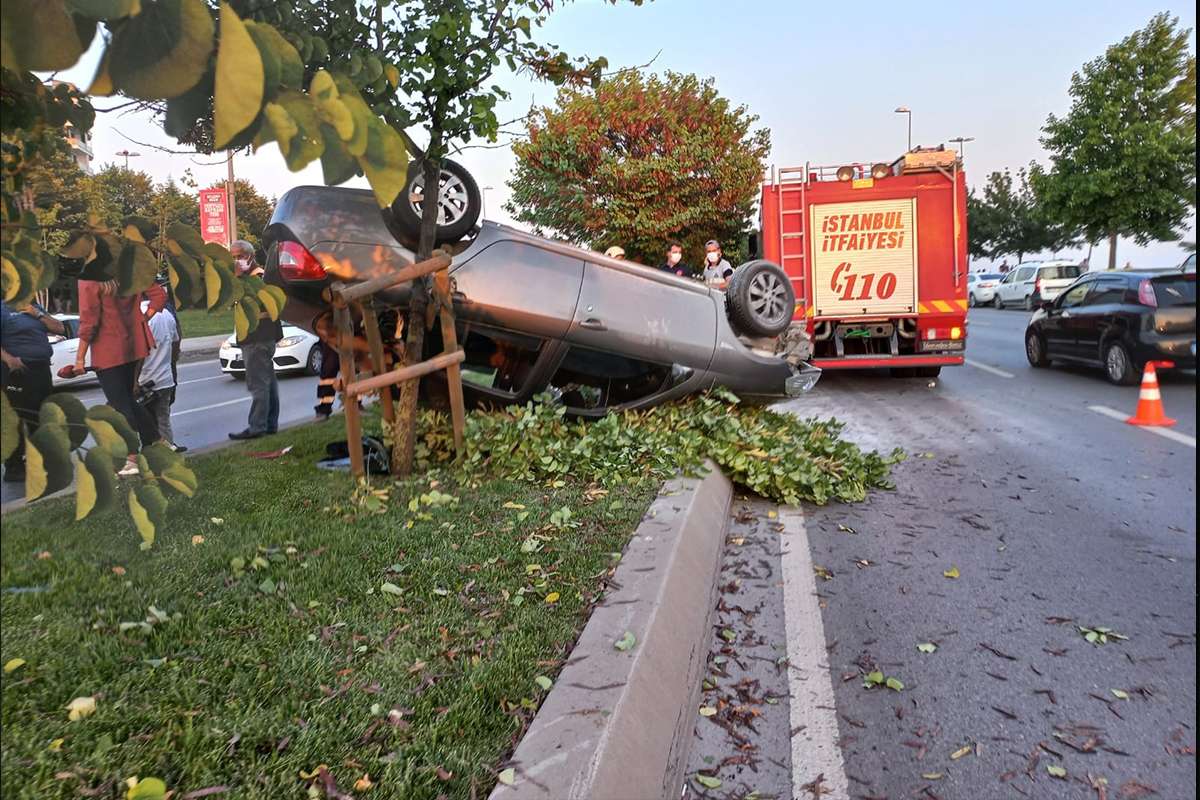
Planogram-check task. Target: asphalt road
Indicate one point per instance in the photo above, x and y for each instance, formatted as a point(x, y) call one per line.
point(208, 406)
point(1052, 515)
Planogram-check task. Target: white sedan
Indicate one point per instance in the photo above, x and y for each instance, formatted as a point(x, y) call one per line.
point(981, 287)
point(65, 348)
point(298, 351)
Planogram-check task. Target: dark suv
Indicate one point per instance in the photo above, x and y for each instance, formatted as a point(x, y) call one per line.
point(1119, 321)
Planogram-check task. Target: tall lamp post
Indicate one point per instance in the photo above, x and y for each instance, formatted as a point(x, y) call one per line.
point(908, 111)
point(960, 141)
point(128, 155)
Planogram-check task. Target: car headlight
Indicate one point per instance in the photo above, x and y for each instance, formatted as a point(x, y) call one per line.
point(230, 342)
point(288, 341)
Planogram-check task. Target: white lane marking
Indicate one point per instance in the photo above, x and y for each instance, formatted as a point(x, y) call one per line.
point(988, 368)
point(1166, 433)
point(813, 715)
point(206, 408)
point(200, 380)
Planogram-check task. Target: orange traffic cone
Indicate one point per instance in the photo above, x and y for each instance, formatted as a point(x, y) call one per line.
point(1149, 407)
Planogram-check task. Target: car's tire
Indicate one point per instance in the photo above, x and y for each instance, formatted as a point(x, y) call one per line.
point(760, 299)
point(929, 372)
point(997, 303)
point(460, 203)
point(971, 300)
point(1118, 366)
point(312, 364)
point(238, 376)
point(1029, 302)
point(1035, 350)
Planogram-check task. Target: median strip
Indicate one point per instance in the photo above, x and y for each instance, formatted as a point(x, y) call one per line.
point(1166, 433)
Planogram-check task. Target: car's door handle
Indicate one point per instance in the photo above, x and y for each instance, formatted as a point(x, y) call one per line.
point(593, 324)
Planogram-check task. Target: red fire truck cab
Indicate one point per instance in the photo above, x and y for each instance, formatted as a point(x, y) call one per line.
point(877, 254)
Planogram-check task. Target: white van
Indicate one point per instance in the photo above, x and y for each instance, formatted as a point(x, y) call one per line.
point(1030, 282)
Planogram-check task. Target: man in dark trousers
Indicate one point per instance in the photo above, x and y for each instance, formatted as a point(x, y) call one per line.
point(25, 371)
point(258, 354)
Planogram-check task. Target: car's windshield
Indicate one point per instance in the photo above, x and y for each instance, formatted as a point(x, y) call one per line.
point(1175, 291)
point(1060, 271)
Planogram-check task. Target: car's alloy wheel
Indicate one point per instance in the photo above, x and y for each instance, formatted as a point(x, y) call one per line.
point(760, 299)
point(1117, 365)
point(971, 300)
point(997, 303)
point(453, 200)
point(768, 297)
point(1034, 351)
point(315, 358)
point(459, 204)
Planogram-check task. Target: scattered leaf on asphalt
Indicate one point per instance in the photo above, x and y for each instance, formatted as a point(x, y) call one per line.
point(960, 752)
point(822, 572)
point(951, 573)
point(544, 682)
point(81, 707)
point(927, 647)
point(728, 635)
point(708, 781)
point(932, 776)
point(1056, 771)
point(1120, 694)
point(872, 679)
point(625, 642)
point(13, 664)
point(707, 711)
point(507, 776)
point(846, 529)
point(894, 684)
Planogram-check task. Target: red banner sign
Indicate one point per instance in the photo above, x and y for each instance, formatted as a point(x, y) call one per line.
point(214, 217)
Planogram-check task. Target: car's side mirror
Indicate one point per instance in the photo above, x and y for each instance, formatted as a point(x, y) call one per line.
point(1047, 305)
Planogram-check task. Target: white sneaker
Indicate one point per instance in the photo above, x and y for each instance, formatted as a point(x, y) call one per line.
point(129, 470)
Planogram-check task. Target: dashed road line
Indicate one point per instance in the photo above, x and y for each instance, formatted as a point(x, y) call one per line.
point(1166, 433)
point(812, 707)
point(988, 368)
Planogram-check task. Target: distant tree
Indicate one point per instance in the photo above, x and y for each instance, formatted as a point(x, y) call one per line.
point(121, 192)
point(59, 191)
point(1010, 219)
point(640, 160)
point(1123, 158)
point(980, 226)
point(253, 211)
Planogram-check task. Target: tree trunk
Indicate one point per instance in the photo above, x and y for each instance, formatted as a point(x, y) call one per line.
point(405, 436)
point(1112, 251)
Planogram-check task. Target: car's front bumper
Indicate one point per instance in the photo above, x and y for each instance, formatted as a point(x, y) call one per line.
point(802, 379)
point(287, 359)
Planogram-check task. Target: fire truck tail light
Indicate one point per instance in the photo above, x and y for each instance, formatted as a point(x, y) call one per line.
point(944, 333)
point(956, 333)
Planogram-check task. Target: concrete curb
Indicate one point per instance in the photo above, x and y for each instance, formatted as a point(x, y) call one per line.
point(617, 724)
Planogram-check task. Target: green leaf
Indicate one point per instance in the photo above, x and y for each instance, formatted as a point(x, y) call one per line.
point(894, 684)
point(1120, 694)
point(266, 52)
point(183, 111)
point(41, 35)
point(291, 66)
point(48, 466)
point(337, 165)
point(136, 269)
point(927, 647)
point(148, 508)
point(10, 428)
point(147, 789)
point(391, 588)
point(105, 421)
point(218, 285)
point(67, 410)
point(238, 93)
point(163, 51)
point(708, 781)
point(951, 573)
point(297, 130)
point(1056, 771)
point(188, 239)
point(13, 664)
point(384, 162)
point(267, 586)
point(873, 678)
point(627, 641)
point(544, 682)
point(95, 483)
point(105, 9)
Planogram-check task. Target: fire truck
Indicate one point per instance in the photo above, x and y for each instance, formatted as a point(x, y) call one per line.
point(877, 255)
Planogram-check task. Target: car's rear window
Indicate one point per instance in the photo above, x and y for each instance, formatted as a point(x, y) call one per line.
point(990, 276)
point(1174, 291)
point(1063, 271)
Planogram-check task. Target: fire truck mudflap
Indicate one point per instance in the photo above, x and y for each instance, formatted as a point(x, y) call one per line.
point(877, 256)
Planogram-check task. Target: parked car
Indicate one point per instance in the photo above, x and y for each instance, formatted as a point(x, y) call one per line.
point(981, 287)
point(65, 347)
point(297, 352)
point(1031, 282)
point(536, 315)
point(1119, 321)
point(1189, 264)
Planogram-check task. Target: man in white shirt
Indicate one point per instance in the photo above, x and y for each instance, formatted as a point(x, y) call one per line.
point(156, 381)
point(717, 271)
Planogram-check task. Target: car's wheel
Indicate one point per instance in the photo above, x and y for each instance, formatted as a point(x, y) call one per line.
point(760, 299)
point(929, 372)
point(312, 366)
point(971, 300)
point(1118, 366)
point(238, 376)
point(1029, 302)
point(997, 303)
point(1035, 350)
point(459, 202)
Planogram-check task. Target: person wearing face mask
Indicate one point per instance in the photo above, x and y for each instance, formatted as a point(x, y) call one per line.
point(674, 263)
point(717, 270)
point(258, 355)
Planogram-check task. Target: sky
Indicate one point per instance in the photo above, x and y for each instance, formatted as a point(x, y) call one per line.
point(823, 77)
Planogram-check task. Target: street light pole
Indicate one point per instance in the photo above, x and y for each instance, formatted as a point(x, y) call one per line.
point(128, 155)
point(960, 141)
point(906, 110)
point(231, 200)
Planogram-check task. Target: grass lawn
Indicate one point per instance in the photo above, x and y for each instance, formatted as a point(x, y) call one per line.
point(197, 322)
point(249, 677)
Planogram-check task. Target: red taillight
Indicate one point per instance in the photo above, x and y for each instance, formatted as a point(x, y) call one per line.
point(1037, 286)
point(297, 264)
point(1146, 294)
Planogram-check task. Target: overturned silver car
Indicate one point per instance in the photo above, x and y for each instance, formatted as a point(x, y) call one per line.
point(535, 315)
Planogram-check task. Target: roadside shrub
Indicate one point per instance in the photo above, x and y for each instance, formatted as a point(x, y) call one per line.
point(779, 456)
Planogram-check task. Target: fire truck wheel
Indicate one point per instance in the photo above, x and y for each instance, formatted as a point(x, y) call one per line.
point(903, 372)
point(1035, 350)
point(760, 299)
point(928, 372)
